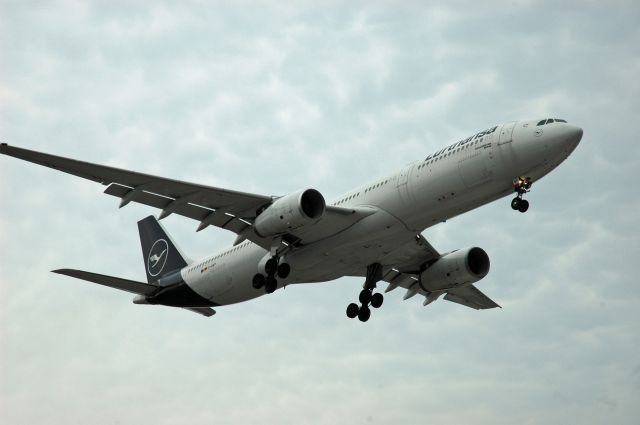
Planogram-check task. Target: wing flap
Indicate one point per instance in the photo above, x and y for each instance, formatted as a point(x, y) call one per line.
point(110, 281)
point(217, 218)
point(158, 201)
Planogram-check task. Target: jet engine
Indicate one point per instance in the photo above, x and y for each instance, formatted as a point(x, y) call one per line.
point(455, 268)
point(290, 212)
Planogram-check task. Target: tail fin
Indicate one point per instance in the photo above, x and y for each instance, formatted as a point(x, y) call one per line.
point(161, 256)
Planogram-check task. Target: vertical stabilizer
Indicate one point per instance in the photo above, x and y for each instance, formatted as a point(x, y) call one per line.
point(161, 256)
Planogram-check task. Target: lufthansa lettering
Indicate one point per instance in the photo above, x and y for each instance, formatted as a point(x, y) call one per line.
point(462, 143)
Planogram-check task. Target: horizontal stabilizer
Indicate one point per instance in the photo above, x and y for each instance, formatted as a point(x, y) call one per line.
point(205, 311)
point(113, 282)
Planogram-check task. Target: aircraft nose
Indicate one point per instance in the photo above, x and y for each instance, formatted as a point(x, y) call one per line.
point(573, 135)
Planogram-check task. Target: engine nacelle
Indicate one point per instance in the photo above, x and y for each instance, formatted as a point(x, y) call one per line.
point(458, 267)
point(290, 212)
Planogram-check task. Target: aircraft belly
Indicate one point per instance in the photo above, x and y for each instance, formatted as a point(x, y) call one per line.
point(242, 268)
point(349, 252)
point(209, 282)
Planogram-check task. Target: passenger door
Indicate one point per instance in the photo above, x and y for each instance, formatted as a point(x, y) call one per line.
point(403, 184)
point(506, 133)
point(479, 167)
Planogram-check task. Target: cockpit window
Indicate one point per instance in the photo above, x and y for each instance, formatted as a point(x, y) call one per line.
point(550, 120)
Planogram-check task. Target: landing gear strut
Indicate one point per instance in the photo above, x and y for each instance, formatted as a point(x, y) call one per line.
point(272, 268)
point(367, 297)
point(521, 185)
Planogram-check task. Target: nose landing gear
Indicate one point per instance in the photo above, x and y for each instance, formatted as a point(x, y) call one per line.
point(521, 185)
point(367, 297)
point(272, 268)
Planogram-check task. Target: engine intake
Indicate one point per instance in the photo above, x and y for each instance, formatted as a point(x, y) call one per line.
point(290, 212)
point(457, 267)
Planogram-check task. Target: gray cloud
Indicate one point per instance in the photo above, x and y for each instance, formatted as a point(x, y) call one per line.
point(269, 98)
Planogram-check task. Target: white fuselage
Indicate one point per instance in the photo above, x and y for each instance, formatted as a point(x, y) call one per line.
point(449, 182)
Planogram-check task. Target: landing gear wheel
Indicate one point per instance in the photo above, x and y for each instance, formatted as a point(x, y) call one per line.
point(365, 296)
point(271, 266)
point(364, 314)
point(521, 185)
point(283, 270)
point(352, 310)
point(270, 285)
point(524, 205)
point(515, 203)
point(376, 300)
point(258, 281)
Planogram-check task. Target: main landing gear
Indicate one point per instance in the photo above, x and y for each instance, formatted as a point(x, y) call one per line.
point(272, 268)
point(367, 297)
point(521, 185)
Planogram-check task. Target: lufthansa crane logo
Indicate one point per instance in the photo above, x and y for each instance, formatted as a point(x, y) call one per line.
point(157, 257)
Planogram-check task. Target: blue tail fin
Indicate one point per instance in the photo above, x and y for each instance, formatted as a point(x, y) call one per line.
point(161, 256)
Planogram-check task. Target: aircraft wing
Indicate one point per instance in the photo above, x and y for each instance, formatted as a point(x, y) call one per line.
point(211, 206)
point(470, 296)
point(412, 255)
point(403, 266)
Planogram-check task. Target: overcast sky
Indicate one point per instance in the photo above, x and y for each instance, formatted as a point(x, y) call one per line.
point(272, 98)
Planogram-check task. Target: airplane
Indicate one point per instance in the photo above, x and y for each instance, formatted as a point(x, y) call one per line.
point(373, 231)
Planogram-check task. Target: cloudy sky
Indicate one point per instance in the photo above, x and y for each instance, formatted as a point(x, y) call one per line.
point(270, 98)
